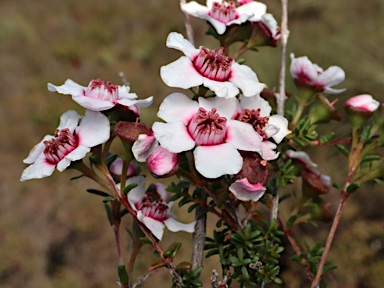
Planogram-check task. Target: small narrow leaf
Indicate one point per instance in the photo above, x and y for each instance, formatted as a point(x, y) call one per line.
point(98, 192)
point(342, 149)
point(129, 188)
point(123, 275)
point(352, 187)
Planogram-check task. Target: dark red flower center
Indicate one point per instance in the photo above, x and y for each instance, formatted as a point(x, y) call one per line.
point(213, 64)
point(224, 11)
point(253, 117)
point(58, 147)
point(208, 127)
point(102, 90)
point(153, 207)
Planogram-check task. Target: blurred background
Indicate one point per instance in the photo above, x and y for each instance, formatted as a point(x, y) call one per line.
point(53, 233)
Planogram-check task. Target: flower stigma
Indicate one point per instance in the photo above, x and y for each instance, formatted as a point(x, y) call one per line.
point(61, 145)
point(208, 127)
point(213, 64)
point(253, 117)
point(224, 12)
point(102, 90)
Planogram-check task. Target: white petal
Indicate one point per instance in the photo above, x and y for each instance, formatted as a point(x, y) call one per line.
point(94, 129)
point(40, 169)
point(136, 193)
point(156, 227)
point(302, 157)
point(93, 104)
point(77, 154)
point(332, 76)
point(245, 191)
point(267, 151)
point(64, 163)
point(271, 130)
point(37, 150)
point(193, 7)
point(282, 123)
point(221, 89)
point(176, 226)
point(124, 92)
point(303, 66)
point(244, 78)
point(162, 162)
point(70, 120)
point(256, 102)
point(178, 107)
point(140, 103)
point(177, 41)
point(69, 87)
point(173, 136)
point(181, 74)
point(225, 107)
point(143, 147)
point(219, 26)
point(255, 9)
point(243, 136)
point(218, 160)
point(164, 194)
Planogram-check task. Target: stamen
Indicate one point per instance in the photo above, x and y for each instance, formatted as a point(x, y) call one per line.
point(213, 64)
point(61, 145)
point(207, 127)
point(153, 208)
point(102, 90)
point(224, 12)
point(253, 117)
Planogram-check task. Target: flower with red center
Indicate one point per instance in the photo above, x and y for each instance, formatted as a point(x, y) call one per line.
point(154, 209)
point(210, 68)
point(208, 126)
point(222, 14)
point(256, 111)
point(71, 142)
point(310, 75)
point(101, 95)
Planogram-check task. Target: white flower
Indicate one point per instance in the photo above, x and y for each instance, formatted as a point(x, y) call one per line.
point(208, 126)
point(100, 95)
point(269, 23)
point(210, 68)
point(245, 191)
point(256, 111)
point(221, 13)
point(154, 209)
point(309, 74)
point(71, 142)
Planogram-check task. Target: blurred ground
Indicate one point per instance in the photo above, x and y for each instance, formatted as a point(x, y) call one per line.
point(52, 233)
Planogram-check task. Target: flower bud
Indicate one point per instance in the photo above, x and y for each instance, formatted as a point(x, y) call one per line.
point(323, 111)
point(162, 163)
point(130, 131)
point(360, 109)
point(313, 185)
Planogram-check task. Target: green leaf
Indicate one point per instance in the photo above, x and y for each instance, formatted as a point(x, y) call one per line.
point(123, 275)
point(129, 233)
point(98, 192)
point(109, 212)
point(352, 187)
point(108, 199)
point(278, 281)
point(369, 158)
point(76, 177)
point(329, 267)
point(145, 240)
point(328, 137)
point(292, 220)
point(129, 188)
point(342, 149)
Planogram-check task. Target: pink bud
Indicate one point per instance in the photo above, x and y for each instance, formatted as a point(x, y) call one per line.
point(362, 103)
point(162, 163)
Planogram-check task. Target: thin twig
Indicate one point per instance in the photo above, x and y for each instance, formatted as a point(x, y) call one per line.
point(142, 279)
point(280, 97)
point(188, 26)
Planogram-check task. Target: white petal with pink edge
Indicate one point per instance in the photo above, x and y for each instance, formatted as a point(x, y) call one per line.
point(178, 107)
point(39, 169)
point(332, 76)
point(221, 89)
point(178, 42)
point(245, 191)
point(93, 104)
point(70, 120)
point(173, 136)
point(143, 147)
point(268, 151)
point(163, 193)
point(176, 226)
point(254, 10)
point(181, 74)
point(94, 129)
point(140, 103)
point(242, 136)
point(37, 150)
point(244, 78)
point(77, 154)
point(218, 160)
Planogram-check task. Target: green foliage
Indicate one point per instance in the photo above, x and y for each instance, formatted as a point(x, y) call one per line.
point(305, 133)
point(250, 254)
point(189, 277)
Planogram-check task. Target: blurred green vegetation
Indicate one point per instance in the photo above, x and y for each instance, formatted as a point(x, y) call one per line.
point(52, 233)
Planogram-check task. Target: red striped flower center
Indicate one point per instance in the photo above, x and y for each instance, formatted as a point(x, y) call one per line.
point(213, 64)
point(102, 90)
point(208, 127)
point(224, 12)
point(58, 147)
point(153, 208)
